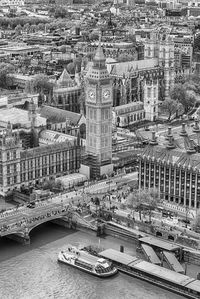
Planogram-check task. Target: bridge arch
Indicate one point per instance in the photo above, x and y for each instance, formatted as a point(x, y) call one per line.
point(159, 234)
point(171, 238)
point(45, 220)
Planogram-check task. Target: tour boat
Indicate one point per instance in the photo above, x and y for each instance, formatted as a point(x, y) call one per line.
point(85, 261)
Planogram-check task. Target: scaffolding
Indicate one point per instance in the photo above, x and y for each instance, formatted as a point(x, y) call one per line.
point(95, 164)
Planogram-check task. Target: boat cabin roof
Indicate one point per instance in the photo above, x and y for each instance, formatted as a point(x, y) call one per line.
point(101, 260)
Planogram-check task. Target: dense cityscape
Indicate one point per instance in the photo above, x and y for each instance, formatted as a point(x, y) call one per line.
point(99, 149)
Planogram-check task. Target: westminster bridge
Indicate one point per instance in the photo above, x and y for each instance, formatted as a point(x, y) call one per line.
point(61, 209)
point(18, 223)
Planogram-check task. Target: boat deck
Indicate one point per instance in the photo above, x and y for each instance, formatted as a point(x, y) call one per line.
point(84, 256)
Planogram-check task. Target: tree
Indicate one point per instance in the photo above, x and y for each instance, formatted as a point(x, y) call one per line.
point(33, 28)
point(6, 70)
point(170, 107)
point(26, 27)
point(41, 26)
point(145, 197)
point(52, 185)
point(77, 62)
point(93, 36)
point(40, 84)
point(196, 224)
point(60, 12)
point(63, 49)
point(180, 94)
point(125, 57)
point(18, 29)
point(71, 68)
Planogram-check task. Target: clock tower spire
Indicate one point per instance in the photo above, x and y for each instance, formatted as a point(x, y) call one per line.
point(99, 116)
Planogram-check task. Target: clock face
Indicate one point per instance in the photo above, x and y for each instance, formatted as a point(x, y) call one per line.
point(106, 94)
point(91, 95)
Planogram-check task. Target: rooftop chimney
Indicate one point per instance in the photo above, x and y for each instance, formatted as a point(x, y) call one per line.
point(170, 144)
point(191, 149)
point(196, 126)
point(153, 140)
point(183, 130)
point(169, 133)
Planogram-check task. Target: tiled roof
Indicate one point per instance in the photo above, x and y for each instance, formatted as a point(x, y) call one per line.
point(65, 80)
point(175, 156)
point(50, 137)
point(131, 66)
point(99, 56)
point(43, 150)
point(55, 115)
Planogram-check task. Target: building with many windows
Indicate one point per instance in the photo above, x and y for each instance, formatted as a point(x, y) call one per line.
point(129, 114)
point(20, 167)
point(12, 3)
point(173, 167)
point(66, 93)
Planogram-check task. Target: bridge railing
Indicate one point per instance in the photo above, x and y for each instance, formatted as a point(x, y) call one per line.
point(26, 222)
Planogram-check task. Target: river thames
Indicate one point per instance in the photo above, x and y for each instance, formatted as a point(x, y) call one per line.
point(32, 272)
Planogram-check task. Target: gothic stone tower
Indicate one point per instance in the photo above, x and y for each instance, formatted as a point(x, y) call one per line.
point(162, 47)
point(99, 116)
point(10, 149)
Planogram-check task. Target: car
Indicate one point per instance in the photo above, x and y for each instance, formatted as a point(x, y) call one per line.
point(31, 205)
point(186, 221)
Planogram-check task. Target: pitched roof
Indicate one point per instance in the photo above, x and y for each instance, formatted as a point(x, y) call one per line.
point(177, 156)
point(65, 80)
point(121, 68)
point(52, 137)
point(55, 115)
point(99, 55)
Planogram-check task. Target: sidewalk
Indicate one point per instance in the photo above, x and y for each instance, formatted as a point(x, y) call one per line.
point(5, 205)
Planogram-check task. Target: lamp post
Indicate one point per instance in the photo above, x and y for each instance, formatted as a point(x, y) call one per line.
point(186, 215)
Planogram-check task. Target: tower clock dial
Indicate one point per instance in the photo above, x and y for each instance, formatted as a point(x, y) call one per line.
point(91, 95)
point(106, 94)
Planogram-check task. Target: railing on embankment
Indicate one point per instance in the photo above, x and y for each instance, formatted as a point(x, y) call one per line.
point(117, 230)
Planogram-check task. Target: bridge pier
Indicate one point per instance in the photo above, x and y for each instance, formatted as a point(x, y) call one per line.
point(67, 223)
point(22, 239)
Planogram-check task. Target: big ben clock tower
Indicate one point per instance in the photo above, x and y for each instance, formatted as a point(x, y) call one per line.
point(99, 116)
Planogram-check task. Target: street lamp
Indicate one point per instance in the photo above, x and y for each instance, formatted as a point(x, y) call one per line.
point(186, 215)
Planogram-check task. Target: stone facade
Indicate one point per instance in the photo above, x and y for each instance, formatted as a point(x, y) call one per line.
point(24, 167)
point(173, 168)
point(67, 93)
point(98, 90)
